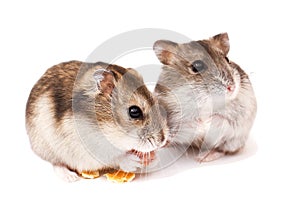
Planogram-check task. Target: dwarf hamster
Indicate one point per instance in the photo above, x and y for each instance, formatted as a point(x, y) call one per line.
point(208, 98)
point(90, 116)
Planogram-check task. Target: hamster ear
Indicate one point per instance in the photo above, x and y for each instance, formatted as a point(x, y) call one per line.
point(134, 73)
point(221, 41)
point(105, 81)
point(165, 51)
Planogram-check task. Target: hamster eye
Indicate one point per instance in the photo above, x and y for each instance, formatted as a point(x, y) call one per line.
point(135, 112)
point(227, 59)
point(198, 66)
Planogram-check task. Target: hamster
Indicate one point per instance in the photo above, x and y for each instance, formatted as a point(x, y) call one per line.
point(209, 99)
point(90, 116)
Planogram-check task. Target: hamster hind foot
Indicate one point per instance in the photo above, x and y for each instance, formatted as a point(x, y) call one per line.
point(208, 156)
point(65, 174)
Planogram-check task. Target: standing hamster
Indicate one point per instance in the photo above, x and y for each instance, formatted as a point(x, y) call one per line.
point(90, 116)
point(208, 98)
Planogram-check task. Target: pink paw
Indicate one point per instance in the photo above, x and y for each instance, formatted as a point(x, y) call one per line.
point(208, 156)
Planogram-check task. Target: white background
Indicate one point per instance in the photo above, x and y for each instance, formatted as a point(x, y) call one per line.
point(264, 38)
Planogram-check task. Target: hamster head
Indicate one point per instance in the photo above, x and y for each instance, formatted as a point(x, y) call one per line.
point(130, 115)
point(208, 98)
point(204, 65)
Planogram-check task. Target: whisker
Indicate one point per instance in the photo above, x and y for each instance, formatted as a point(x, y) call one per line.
point(149, 141)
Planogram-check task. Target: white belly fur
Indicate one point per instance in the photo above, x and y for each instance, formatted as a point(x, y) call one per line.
point(58, 145)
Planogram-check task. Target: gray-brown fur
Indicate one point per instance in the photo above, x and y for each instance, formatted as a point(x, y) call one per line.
point(220, 97)
point(75, 104)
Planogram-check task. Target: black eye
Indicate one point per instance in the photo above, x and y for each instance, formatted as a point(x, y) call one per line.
point(226, 58)
point(198, 66)
point(135, 112)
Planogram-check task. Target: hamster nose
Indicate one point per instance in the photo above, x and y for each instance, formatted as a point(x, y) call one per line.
point(231, 91)
point(230, 88)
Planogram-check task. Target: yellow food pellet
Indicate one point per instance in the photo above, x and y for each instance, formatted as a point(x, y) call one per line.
point(90, 174)
point(120, 176)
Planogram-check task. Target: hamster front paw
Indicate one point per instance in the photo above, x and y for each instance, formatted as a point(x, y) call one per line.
point(145, 157)
point(130, 163)
point(151, 161)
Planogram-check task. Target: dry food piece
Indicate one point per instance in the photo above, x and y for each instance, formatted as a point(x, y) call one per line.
point(120, 176)
point(90, 174)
